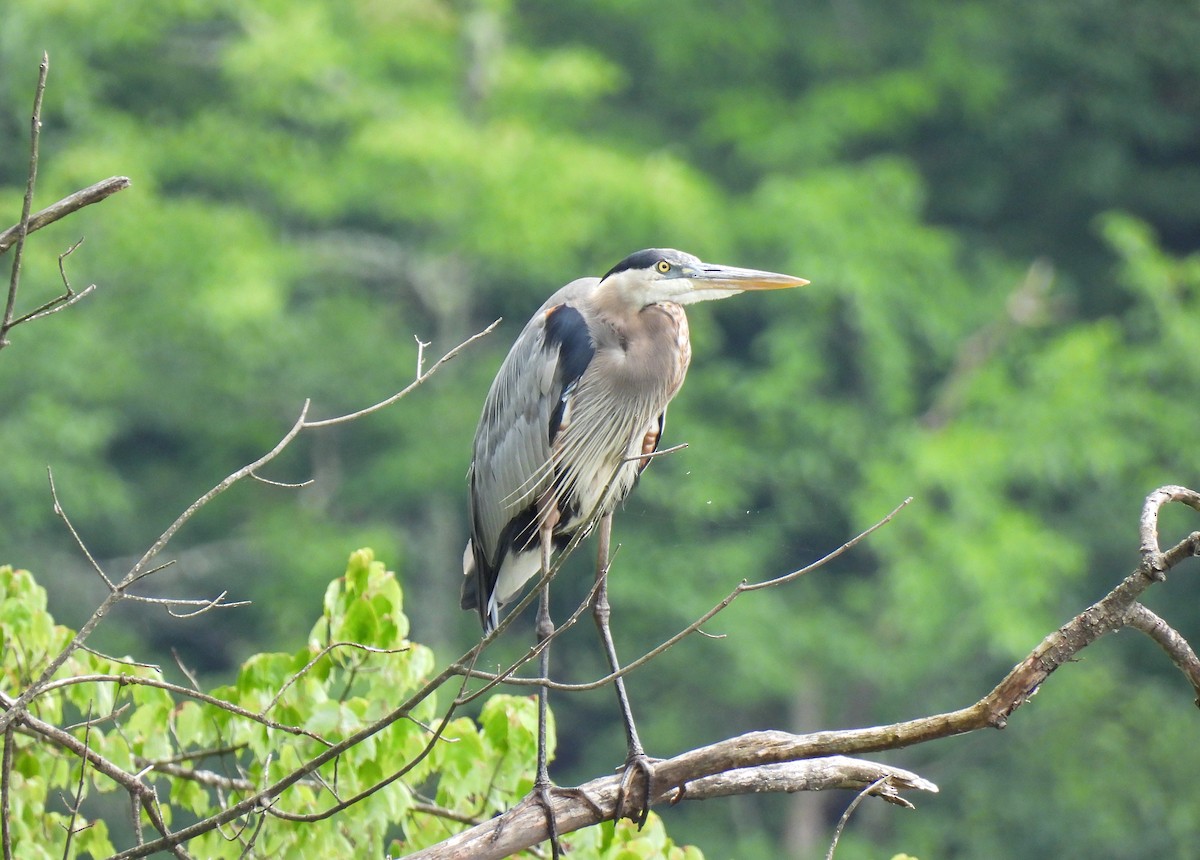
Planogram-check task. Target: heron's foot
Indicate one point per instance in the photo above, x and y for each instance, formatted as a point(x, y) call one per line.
point(543, 795)
point(633, 794)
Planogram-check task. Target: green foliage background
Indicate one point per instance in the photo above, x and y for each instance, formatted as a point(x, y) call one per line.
point(998, 204)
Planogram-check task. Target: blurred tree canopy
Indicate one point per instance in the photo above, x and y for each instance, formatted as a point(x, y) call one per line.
point(998, 204)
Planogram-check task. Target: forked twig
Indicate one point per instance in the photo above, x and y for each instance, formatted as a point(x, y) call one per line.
point(420, 379)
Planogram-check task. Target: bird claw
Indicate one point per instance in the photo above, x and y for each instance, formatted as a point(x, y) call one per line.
point(542, 794)
point(636, 780)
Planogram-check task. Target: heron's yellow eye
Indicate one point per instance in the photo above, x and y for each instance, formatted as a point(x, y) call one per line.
point(663, 266)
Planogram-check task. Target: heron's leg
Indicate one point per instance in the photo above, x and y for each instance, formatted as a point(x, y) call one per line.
point(544, 628)
point(637, 764)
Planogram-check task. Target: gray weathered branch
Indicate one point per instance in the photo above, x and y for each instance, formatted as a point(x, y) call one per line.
point(525, 825)
point(69, 204)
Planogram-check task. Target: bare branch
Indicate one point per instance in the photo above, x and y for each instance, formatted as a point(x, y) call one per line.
point(343, 419)
point(317, 657)
point(35, 133)
point(525, 825)
point(120, 660)
point(138, 681)
point(5, 779)
point(68, 205)
point(1170, 640)
point(62, 515)
point(170, 603)
point(187, 673)
point(74, 807)
point(442, 812)
point(287, 486)
point(421, 344)
point(695, 626)
point(818, 774)
point(58, 303)
point(95, 721)
point(119, 591)
point(1151, 554)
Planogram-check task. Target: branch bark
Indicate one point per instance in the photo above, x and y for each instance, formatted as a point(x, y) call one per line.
point(525, 825)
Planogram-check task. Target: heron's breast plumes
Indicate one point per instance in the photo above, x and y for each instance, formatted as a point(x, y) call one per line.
point(617, 406)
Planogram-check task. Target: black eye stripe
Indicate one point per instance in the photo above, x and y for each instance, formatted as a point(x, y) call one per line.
point(646, 259)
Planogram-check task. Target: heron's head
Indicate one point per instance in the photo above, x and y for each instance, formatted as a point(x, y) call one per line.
point(667, 275)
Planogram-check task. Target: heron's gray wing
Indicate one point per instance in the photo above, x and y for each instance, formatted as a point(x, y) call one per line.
point(512, 464)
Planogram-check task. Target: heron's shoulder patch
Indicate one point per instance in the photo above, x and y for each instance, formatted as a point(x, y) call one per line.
point(567, 331)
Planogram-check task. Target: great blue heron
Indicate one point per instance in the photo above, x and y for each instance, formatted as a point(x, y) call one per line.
point(567, 427)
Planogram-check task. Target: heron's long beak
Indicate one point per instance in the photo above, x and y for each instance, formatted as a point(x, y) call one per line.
point(711, 277)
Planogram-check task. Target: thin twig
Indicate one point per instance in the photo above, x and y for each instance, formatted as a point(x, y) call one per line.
point(205, 605)
point(138, 681)
point(285, 485)
point(35, 132)
point(327, 649)
point(841, 825)
point(74, 807)
point(421, 344)
point(170, 603)
point(142, 569)
point(5, 776)
point(122, 661)
point(194, 755)
point(187, 673)
point(443, 812)
point(95, 721)
point(61, 513)
point(249, 845)
point(695, 626)
point(421, 378)
point(58, 303)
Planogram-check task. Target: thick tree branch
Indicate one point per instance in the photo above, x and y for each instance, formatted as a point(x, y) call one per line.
point(525, 825)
